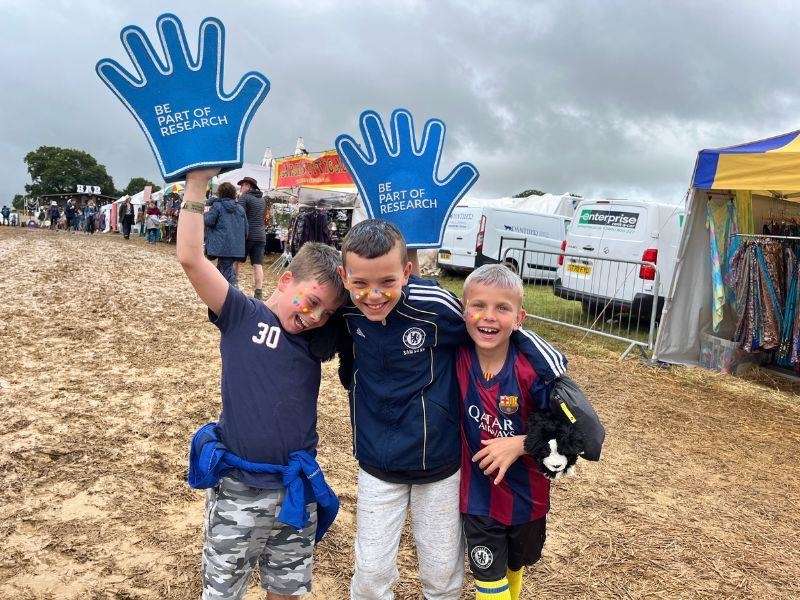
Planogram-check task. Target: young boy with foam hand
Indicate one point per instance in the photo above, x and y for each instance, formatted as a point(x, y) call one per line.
point(504, 498)
point(405, 333)
point(267, 501)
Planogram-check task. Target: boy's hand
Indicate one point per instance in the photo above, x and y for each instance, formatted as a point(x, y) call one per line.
point(189, 121)
point(499, 454)
point(398, 178)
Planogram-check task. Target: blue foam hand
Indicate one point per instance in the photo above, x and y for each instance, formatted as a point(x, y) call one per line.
point(189, 121)
point(398, 179)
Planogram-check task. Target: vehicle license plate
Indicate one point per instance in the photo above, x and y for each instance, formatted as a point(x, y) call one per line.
point(579, 269)
point(444, 255)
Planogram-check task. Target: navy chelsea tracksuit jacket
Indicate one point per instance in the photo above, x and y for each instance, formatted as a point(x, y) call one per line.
point(403, 392)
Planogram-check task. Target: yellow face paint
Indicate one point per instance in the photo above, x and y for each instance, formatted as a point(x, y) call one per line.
point(302, 303)
point(473, 313)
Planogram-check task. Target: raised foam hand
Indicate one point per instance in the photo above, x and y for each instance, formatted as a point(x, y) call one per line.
point(179, 103)
point(398, 178)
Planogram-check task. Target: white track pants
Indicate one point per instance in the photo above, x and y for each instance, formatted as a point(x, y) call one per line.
point(436, 524)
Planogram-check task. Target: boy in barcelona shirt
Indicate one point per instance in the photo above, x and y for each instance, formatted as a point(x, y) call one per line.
point(504, 498)
point(270, 382)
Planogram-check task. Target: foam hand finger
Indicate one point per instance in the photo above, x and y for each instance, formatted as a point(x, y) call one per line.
point(173, 42)
point(120, 81)
point(433, 137)
point(403, 131)
point(461, 178)
point(351, 153)
point(142, 54)
point(253, 87)
point(212, 39)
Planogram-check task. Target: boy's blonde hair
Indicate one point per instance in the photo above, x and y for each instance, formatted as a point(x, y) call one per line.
point(320, 263)
point(498, 276)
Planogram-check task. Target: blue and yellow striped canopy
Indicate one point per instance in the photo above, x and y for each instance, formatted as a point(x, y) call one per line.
point(771, 164)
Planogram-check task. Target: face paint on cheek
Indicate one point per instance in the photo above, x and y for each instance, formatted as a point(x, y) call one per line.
point(358, 295)
point(472, 313)
point(389, 295)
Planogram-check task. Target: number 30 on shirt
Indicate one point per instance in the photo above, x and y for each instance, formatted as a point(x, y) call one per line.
point(267, 335)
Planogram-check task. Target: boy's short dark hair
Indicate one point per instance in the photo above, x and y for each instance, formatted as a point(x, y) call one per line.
point(226, 190)
point(372, 238)
point(320, 263)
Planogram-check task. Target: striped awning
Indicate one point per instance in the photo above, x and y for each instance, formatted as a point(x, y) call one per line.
point(772, 164)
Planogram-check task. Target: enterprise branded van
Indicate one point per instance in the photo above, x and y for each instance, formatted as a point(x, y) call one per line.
point(619, 230)
point(476, 236)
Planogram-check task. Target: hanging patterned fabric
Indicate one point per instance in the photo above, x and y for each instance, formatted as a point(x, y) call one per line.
point(757, 276)
point(787, 350)
point(717, 287)
point(733, 242)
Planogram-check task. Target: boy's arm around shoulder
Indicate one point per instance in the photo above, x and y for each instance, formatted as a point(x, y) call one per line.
point(429, 296)
point(548, 362)
point(207, 281)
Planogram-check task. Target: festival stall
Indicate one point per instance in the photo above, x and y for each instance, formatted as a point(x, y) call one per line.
point(111, 215)
point(734, 297)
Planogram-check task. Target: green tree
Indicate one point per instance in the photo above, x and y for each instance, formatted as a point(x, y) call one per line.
point(527, 193)
point(56, 170)
point(137, 184)
point(18, 201)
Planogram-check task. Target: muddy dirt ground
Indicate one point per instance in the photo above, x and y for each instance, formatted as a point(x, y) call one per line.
point(108, 364)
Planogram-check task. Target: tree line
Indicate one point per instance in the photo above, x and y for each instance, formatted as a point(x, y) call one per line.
point(55, 170)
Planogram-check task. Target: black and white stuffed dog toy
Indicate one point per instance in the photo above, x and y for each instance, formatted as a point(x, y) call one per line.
point(567, 429)
point(553, 443)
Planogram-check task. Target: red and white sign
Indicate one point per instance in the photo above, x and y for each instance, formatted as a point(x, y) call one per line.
point(325, 171)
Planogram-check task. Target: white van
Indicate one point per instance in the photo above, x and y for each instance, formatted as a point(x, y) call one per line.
point(619, 230)
point(476, 236)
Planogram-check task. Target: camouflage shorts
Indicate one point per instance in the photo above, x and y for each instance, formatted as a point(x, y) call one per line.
point(241, 530)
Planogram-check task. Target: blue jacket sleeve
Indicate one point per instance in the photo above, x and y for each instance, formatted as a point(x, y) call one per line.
point(210, 218)
point(548, 362)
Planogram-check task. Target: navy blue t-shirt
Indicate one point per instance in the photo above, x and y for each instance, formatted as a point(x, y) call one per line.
point(270, 384)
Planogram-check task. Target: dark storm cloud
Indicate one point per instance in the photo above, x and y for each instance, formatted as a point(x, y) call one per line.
point(598, 98)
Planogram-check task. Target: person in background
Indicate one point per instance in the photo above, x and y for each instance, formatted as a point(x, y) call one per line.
point(255, 206)
point(140, 218)
point(71, 214)
point(126, 217)
point(5, 212)
point(41, 218)
point(89, 214)
point(152, 222)
point(54, 215)
point(226, 231)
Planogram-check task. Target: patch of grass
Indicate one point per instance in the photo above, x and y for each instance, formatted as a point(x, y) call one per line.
point(539, 300)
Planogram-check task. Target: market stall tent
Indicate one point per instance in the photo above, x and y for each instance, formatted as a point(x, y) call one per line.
point(764, 174)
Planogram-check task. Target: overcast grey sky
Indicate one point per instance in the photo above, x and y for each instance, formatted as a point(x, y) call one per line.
point(606, 98)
